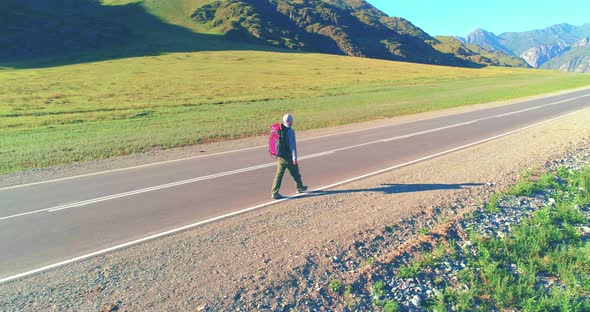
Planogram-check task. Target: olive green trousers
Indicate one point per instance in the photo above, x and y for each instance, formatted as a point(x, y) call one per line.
point(282, 165)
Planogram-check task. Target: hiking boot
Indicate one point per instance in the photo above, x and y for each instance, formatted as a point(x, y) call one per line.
point(277, 196)
point(302, 189)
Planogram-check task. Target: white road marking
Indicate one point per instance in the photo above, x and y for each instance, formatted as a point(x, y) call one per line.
point(237, 171)
point(226, 152)
point(186, 227)
point(187, 158)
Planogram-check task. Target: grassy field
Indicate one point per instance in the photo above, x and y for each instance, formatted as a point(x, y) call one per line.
point(56, 115)
point(175, 12)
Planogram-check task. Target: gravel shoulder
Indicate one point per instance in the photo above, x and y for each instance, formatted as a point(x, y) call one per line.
point(286, 255)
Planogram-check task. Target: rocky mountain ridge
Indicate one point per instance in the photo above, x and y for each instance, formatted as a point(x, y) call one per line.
point(537, 56)
point(564, 47)
point(486, 40)
point(584, 42)
point(487, 56)
point(576, 59)
point(88, 30)
point(347, 27)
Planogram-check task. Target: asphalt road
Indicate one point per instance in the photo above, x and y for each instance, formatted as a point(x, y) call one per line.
point(48, 224)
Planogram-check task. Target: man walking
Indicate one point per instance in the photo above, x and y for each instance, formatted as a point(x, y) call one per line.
point(287, 158)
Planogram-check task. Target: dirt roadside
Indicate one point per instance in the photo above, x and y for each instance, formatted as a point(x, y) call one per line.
point(284, 256)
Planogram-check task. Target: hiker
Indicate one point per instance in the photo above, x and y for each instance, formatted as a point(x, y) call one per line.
point(287, 158)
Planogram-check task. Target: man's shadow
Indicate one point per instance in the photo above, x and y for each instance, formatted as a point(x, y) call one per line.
point(397, 189)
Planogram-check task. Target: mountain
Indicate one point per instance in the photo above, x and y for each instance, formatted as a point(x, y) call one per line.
point(36, 28)
point(519, 42)
point(561, 46)
point(576, 59)
point(486, 40)
point(40, 33)
point(50, 33)
point(348, 27)
point(536, 56)
point(477, 54)
point(584, 42)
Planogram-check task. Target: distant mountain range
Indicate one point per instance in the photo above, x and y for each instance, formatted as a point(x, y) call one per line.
point(563, 47)
point(69, 31)
point(348, 27)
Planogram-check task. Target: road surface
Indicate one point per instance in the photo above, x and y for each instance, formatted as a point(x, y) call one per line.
point(43, 225)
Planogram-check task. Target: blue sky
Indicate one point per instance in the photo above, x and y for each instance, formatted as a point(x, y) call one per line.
point(460, 17)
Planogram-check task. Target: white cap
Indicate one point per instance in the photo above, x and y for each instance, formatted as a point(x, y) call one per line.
point(287, 118)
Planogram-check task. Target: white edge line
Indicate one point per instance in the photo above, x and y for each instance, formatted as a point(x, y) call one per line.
point(259, 146)
point(189, 158)
point(222, 174)
point(442, 153)
point(186, 227)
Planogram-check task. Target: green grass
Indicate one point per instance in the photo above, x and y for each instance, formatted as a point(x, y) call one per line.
point(370, 261)
point(493, 204)
point(542, 265)
point(82, 112)
point(390, 306)
point(409, 270)
point(548, 244)
point(528, 185)
point(336, 286)
point(424, 231)
point(414, 268)
point(169, 82)
point(176, 12)
point(378, 291)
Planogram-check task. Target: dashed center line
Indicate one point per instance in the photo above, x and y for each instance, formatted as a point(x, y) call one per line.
point(238, 171)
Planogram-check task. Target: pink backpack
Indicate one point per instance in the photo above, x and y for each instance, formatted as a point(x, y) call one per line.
point(273, 140)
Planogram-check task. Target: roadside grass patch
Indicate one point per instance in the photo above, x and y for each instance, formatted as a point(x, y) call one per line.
point(493, 204)
point(543, 265)
point(415, 266)
point(336, 286)
point(378, 292)
point(409, 270)
point(530, 184)
point(378, 289)
point(390, 306)
point(348, 296)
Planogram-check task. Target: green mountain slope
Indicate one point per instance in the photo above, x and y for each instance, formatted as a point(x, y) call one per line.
point(499, 58)
point(48, 33)
point(348, 27)
point(176, 12)
point(37, 33)
point(477, 54)
point(30, 28)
